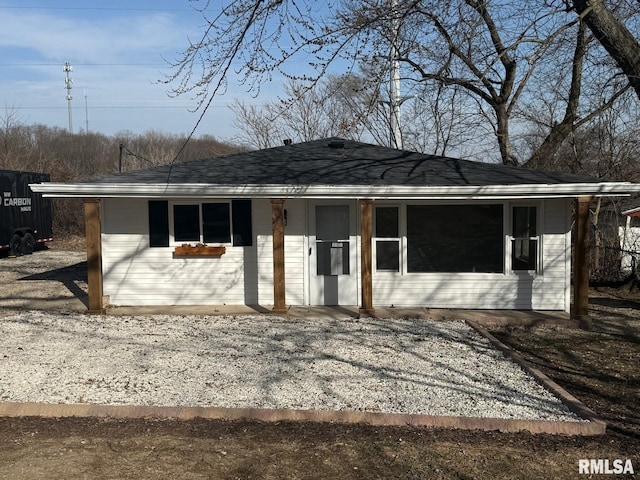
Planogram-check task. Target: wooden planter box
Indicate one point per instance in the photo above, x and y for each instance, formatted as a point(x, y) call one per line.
point(186, 250)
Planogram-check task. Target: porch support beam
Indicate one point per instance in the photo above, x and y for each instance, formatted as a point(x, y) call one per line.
point(580, 310)
point(93, 233)
point(366, 229)
point(277, 223)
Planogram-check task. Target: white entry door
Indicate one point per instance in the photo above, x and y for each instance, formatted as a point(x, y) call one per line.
point(332, 254)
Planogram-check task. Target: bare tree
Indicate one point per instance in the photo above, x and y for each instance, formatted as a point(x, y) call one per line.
point(255, 124)
point(495, 55)
point(607, 148)
point(351, 107)
point(13, 137)
point(335, 106)
point(614, 36)
point(67, 157)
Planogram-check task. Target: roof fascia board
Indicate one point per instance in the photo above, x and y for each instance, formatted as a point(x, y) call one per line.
point(632, 212)
point(334, 191)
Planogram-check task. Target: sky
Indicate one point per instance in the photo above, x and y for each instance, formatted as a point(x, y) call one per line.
point(119, 54)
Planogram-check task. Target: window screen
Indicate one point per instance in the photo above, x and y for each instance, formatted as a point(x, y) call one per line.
point(387, 250)
point(388, 255)
point(216, 226)
point(186, 223)
point(387, 222)
point(455, 238)
point(524, 245)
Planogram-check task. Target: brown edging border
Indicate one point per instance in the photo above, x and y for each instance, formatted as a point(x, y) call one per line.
point(14, 409)
point(597, 425)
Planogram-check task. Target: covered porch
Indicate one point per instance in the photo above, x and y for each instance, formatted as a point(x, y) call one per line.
point(580, 278)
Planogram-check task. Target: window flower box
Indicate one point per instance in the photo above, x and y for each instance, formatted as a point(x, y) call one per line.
point(198, 250)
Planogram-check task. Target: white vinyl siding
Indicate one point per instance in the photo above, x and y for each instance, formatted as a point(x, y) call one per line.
point(294, 248)
point(554, 284)
point(135, 274)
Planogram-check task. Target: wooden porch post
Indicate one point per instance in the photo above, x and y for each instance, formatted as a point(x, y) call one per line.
point(366, 227)
point(277, 223)
point(580, 309)
point(93, 233)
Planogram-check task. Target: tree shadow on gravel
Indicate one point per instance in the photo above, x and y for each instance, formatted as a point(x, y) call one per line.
point(69, 276)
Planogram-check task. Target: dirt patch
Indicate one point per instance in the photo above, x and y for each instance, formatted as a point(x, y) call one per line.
point(87, 448)
point(68, 243)
point(47, 280)
point(601, 368)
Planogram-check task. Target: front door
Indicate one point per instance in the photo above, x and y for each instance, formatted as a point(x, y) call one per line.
point(332, 254)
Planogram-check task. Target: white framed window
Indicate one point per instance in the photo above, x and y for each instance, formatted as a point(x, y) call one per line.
point(387, 238)
point(206, 222)
point(209, 222)
point(493, 238)
point(525, 240)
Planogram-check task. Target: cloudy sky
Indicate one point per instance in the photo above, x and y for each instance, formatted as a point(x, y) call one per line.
point(117, 53)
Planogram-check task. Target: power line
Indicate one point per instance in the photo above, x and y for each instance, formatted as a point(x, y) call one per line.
point(116, 9)
point(82, 64)
point(127, 107)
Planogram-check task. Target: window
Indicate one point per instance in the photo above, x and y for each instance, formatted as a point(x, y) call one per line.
point(455, 238)
point(207, 222)
point(186, 223)
point(524, 239)
point(332, 239)
point(158, 223)
point(216, 226)
point(387, 239)
point(241, 223)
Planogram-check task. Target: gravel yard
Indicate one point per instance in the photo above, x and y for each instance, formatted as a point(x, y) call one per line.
point(54, 354)
point(394, 366)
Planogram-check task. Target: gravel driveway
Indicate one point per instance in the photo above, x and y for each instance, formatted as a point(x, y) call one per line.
point(376, 365)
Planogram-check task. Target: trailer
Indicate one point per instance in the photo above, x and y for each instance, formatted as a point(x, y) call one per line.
point(25, 216)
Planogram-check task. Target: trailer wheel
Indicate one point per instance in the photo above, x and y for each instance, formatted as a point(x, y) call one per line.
point(28, 244)
point(15, 247)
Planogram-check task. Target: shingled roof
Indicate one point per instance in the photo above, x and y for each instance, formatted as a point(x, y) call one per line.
point(335, 161)
point(336, 168)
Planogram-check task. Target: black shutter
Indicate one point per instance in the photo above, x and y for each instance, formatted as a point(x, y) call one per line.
point(158, 223)
point(241, 222)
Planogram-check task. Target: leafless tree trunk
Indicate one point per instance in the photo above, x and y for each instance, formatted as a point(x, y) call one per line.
point(614, 36)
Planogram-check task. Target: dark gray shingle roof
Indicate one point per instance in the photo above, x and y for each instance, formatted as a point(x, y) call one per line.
point(324, 162)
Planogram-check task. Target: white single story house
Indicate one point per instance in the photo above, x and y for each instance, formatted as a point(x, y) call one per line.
point(337, 222)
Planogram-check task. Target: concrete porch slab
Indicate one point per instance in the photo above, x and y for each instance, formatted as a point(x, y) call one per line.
point(520, 318)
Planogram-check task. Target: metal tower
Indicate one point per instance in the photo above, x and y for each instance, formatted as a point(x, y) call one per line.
point(68, 84)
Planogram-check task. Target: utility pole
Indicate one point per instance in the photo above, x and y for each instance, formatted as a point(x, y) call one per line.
point(86, 112)
point(394, 90)
point(68, 84)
